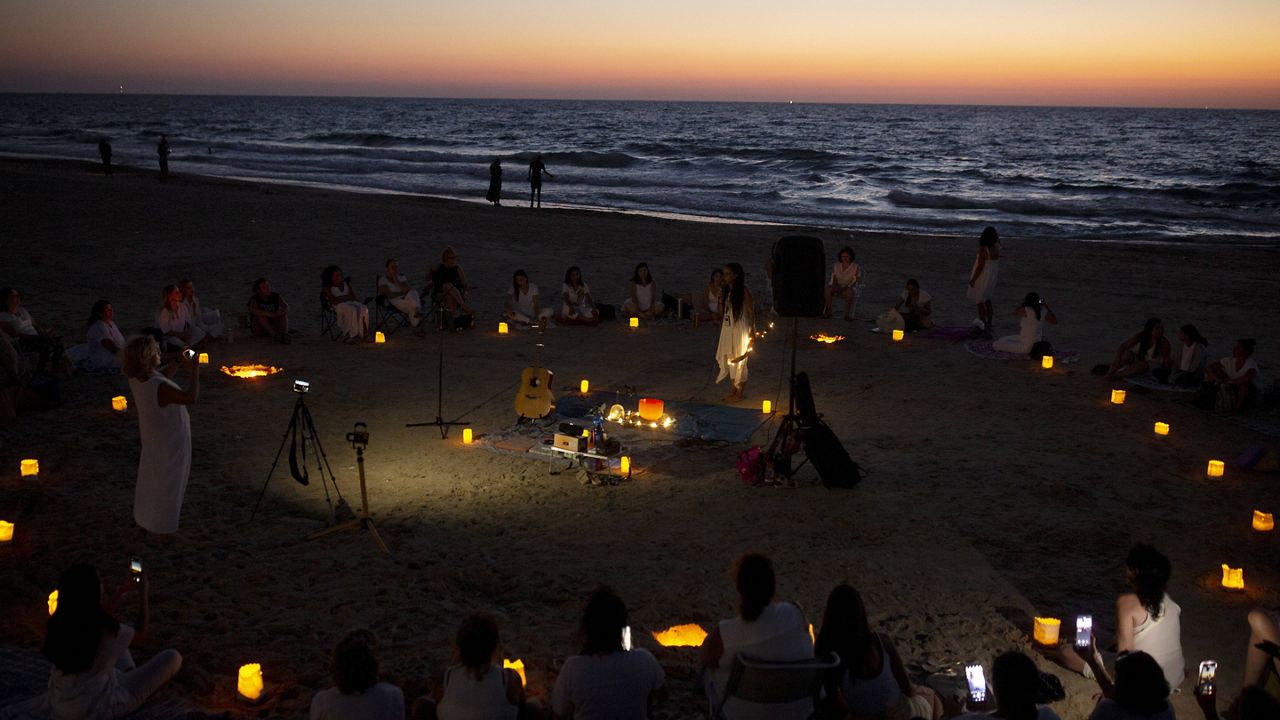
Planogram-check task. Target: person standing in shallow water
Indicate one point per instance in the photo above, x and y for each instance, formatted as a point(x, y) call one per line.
point(536, 170)
point(495, 182)
point(104, 151)
point(162, 150)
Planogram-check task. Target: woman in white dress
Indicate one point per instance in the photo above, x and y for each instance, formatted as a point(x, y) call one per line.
point(353, 315)
point(707, 306)
point(174, 320)
point(477, 686)
point(844, 280)
point(356, 692)
point(524, 303)
point(736, 331)
point(1032, 314)
point(395, 289)
point(982, 279)
point(210, 321)
point(576, 305)
point(104, 343)
point(166, 435)
point(644, 299)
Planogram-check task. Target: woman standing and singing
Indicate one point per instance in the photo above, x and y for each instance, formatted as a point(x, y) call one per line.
point(736, 330)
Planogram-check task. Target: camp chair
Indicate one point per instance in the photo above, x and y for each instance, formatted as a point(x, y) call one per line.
point(774, 683)
point(386, 316)
point(328, 319)
point(858, 288)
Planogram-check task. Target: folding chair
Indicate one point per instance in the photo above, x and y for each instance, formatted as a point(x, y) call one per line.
point(858, 288)
point(387, 316)
point(328, 319)
point(775, 683)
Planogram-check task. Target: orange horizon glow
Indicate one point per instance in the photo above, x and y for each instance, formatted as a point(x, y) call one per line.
point(1173, 53)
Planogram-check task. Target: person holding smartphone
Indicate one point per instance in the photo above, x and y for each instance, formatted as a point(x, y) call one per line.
point(165, 428)
point(1015, 681)
point(1033, 313)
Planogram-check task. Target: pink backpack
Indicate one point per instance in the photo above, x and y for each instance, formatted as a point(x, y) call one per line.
point(751, 466)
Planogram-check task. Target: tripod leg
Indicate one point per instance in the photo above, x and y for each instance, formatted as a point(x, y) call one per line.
point(293, 423)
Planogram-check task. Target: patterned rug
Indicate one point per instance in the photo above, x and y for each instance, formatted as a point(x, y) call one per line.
point(982, 348)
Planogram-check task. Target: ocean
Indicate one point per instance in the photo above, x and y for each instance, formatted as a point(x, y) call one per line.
point(1129, 175)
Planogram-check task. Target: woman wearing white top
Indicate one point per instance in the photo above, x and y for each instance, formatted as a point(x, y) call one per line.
point(524, 303)
point(104, 341)
point(174, 320)
point(1033, 314)
point(916, 307)
point(210, 321)
point(16, 322)
point(1186, 366)
point(165, 428)
point(762, 629)
point(1237, 378)
point(477, 688)
point(93, 674)
point(1141, 353)
point(357, 692)
point(707, 306)
point(395, 289)
point(844, 280)
point(353, 315)
point(644, 299)
point(736, 331)
point(576, 305)
point(982, 279)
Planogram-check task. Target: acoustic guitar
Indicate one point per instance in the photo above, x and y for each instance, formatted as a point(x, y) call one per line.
point(534, 399)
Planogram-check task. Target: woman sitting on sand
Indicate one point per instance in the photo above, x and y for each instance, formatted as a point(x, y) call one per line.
point(1033, 313)
point(1140, 691)
point(93, 674)
point(353, 315)
point(982, 279)
point(644, 299)
point(1234, 383)
point(845, 275)
point(268, 312)
point(395, 289)
point(357, 692)
point(763, 629)
point(524, 302)
point(915, 306)
point(870, 680)
point(736, 331)
point(210, 321)
point(104, 342)
point(1145, 351)
point(1015, 683)
point(478, 686)
point(1186, 366)
point(605, 681)
point(174, 320)
point(16, 322)
point(1147, 620)
point(706, 305)
point(576, 305)
point(449, 284)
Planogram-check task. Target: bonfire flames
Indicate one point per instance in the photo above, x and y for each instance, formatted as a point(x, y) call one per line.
point(250, 372)
point(827, 339)
point(681, 636)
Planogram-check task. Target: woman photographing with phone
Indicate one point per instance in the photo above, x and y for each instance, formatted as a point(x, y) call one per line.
point(165, 427)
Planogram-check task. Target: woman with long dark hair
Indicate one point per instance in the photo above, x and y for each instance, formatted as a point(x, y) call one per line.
point(477, 686)
point(1146, 350)
point(1141, 691)
point(644, 299)
point(576, 306)
point(871, 679)
point(93, 674)
point(736, 331)
point(356, 692)
point(1033, 313)
point(1234, 383)
point(104, 341)
point(982, 279)
point(353, 315)
point(1186, 366)
point(524, 302)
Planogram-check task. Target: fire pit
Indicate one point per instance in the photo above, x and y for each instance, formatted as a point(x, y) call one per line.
point(827, 339)
point(250, 372)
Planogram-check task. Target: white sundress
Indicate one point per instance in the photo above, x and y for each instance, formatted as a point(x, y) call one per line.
point(353, 317)
point(986, 282)
point(735, 338)
point(165, 463)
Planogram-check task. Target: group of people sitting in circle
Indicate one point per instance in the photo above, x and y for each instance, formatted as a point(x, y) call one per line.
point(863, 674)
point(1232, 384)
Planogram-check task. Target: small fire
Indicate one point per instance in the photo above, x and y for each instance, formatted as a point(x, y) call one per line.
point(250, 371)
point(828, 339)
point(681, 636)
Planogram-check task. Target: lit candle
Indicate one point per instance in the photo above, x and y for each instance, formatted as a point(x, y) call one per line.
point(624, 465)
point(635, 323)
point(503, 329)
point(518, 666)
point(898, 335)
point(203, 358)
point(6, 530)
point(379, 337)
point(119, 403)
point(30, 467)
point(1117, 397)
point(1215, 469)
point(766, 407)
point(584, 386)
point(53, 601)
point(1262, 522)
point(467, 437)
point(1162, 428)
point(1232, 578)
point(249, 684)
point(1046, 362)
point(1046, 630)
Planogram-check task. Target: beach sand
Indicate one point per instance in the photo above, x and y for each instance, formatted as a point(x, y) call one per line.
point(996, 490)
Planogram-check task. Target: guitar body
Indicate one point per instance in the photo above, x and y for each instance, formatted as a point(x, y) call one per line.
point(534, 399)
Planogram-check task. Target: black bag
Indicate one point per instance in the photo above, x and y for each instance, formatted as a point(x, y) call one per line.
point(835, 468)
point(1040, 349)
point(607, 311)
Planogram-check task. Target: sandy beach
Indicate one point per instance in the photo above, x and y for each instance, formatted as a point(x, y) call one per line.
point(996, 490)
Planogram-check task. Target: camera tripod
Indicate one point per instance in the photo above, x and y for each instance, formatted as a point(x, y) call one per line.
point(301, 423)
point(359, 440)
point(440, 422)
point(789, 438)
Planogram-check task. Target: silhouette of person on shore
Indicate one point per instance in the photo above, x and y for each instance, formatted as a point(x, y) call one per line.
point(536, 171)
point(495, 182)
point(162, 149)
point(104, 151)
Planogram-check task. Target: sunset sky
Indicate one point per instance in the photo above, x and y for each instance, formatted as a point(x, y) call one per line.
point(1184, 53)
